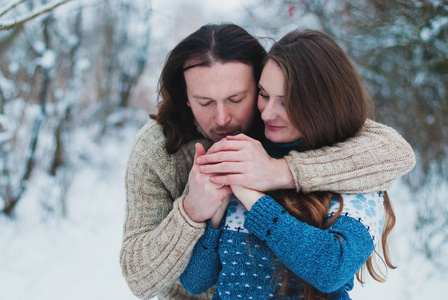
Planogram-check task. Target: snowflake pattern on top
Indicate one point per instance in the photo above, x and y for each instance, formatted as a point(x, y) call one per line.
point(252, 271)
point(367, 208)
point(236, 214)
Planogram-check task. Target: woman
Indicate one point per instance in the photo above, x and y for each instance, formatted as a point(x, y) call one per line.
point(284, 244)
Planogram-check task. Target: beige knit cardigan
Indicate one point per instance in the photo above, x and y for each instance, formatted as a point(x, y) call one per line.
point(158, 235)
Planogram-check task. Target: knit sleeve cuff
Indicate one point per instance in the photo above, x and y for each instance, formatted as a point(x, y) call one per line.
point(178, 206)
point(210, 239)
point(295, 171)
point(263, 215)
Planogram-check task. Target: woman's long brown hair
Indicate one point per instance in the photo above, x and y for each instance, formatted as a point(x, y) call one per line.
point(326, 100)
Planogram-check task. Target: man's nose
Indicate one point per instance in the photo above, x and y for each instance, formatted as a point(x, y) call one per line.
point(223, 116)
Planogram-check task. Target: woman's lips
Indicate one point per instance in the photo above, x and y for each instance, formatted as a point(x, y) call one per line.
point(273, 127)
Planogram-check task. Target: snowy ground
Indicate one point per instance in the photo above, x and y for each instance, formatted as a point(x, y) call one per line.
point(78, 258)
point(75, 258)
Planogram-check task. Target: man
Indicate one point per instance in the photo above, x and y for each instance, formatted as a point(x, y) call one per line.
point(208, 90)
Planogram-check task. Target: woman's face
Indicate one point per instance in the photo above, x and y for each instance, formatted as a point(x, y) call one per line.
point(278, 126)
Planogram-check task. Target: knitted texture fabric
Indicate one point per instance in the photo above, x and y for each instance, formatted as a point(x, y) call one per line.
point(158, 236)
point(374, 158)
point(245, 266)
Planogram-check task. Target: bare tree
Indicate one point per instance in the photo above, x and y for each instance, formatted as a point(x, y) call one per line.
point(60, 73)
point(7, 25)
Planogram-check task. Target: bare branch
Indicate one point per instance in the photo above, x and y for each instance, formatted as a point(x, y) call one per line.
point(32, 15)
point(12, 6)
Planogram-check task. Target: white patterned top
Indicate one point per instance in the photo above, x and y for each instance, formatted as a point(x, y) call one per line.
point(236, 214)
point(367, 208)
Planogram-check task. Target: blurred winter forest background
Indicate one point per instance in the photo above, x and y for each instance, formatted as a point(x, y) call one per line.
point(78, 78)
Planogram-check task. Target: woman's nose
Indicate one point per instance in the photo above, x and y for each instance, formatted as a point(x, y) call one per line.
point(268, 112)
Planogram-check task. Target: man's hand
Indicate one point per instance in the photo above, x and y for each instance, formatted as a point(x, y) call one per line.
point(204, 197)
point(241, 160)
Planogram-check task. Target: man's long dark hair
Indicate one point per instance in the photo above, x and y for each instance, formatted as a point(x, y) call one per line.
point(204, 47)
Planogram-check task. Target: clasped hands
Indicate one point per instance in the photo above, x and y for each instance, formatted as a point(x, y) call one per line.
point(235, 165)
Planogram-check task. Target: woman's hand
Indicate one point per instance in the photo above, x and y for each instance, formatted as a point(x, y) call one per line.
point(241, 160)
point(217, 217)
point(247, 196)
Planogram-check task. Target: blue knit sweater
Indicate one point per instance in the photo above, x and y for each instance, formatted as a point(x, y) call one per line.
point(245, 266)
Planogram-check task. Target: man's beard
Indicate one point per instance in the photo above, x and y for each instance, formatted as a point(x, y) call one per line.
point(226, 130)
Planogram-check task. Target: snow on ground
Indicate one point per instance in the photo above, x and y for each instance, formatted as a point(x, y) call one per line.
point(44, 257)
point(77, 257)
